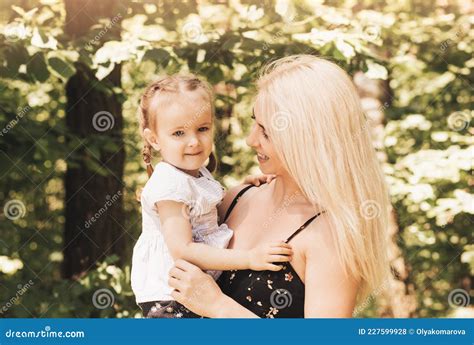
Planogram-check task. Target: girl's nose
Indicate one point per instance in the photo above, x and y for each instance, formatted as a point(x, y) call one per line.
point(193, 141)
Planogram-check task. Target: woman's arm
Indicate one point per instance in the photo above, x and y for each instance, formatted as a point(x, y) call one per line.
point(198, 292)
point(230, 309)
point(329, 292)
point(178, 237)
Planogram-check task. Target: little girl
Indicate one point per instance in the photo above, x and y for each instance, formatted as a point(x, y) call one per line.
point(180, 219)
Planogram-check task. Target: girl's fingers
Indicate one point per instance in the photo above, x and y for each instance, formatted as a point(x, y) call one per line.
point(253, 180)
point(280, 245)
point(281, 251)
point(270, 178)
point(274, 268)
point(280, 258)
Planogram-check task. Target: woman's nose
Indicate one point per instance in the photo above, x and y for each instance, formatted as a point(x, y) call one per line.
point(252, 138)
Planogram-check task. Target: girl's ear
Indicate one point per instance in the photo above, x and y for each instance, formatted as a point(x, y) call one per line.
point(151, 139)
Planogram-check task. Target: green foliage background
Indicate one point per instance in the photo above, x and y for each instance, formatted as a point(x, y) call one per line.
point(423, 50)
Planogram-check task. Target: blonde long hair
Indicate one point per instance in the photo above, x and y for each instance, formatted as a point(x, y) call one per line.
point(317, 126)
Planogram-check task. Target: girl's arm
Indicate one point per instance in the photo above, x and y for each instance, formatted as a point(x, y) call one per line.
point(178, 236)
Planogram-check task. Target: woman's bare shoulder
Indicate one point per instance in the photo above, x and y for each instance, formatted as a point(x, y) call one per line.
point(325, 275)
point(318, 238)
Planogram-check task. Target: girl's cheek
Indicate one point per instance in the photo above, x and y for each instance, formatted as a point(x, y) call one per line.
point(208, 136)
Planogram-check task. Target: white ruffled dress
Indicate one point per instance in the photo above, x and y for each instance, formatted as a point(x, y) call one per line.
point(151, 258)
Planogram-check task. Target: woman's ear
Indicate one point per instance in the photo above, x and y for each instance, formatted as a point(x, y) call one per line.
point(151, 139)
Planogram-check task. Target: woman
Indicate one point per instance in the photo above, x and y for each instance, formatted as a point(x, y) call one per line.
point(329, 201)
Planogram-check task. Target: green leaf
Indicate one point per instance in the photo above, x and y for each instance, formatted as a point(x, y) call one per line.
point(228, 59)
point(376, 71)
point(26, 15)
point(62, 68)
point(250, 44)
point(110, 146)
point(111, 259)
point(6, 72)
point(43, 35)
point(18, 10)
point(94, 166)
point(191, 57)
point(16, 56)
point(214, 75)
point(159, 56)
point(38, 68)
point(229, 41)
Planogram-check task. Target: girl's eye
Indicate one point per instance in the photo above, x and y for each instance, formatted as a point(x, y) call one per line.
point(178, 133)
point(203, 129)
point(265, 135)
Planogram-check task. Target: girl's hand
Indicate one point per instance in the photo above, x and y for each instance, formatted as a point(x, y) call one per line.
point(195, 289)
point(264, 256)
point(257, 180)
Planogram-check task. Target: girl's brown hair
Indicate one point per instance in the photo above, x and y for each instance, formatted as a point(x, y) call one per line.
point(161, 92)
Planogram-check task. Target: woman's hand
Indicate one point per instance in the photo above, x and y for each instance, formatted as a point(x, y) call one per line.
point(195, 289)
point(264, 257)
point(257, 180)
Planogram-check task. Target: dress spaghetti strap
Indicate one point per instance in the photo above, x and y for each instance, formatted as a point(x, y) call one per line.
point(302, 227)
point(251, 289)
point(234, 202)
point(239, 194)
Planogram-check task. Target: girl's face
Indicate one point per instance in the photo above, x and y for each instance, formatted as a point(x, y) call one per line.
point(260, 141)
point(184, 133)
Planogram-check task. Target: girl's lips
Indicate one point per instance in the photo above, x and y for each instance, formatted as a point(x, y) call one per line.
point(193, 154)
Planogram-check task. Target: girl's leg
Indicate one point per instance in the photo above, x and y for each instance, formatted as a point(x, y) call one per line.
point(166, 310)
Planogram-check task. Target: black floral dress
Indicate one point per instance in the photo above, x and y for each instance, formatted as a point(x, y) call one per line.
point(267, 294)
